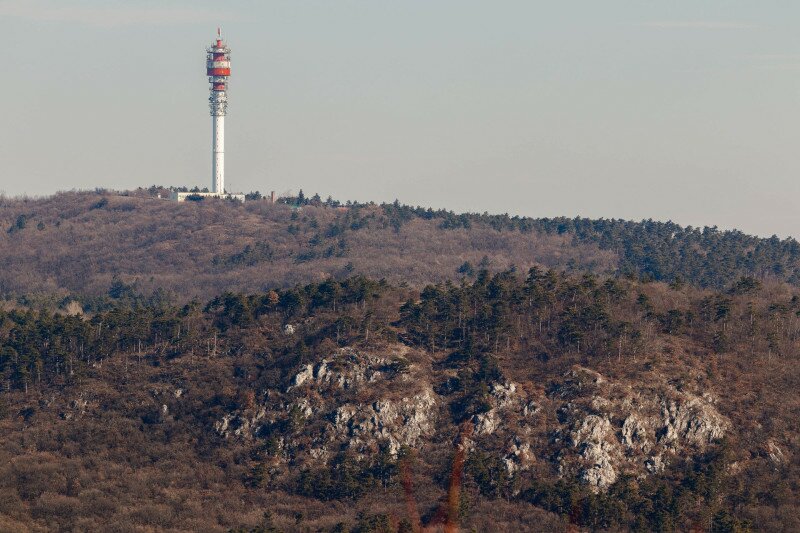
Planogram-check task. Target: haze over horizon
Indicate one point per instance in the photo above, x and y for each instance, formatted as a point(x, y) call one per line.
point(631, 110)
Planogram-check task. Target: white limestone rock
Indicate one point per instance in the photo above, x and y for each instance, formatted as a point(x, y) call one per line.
point(395, 423)
point(486, 423)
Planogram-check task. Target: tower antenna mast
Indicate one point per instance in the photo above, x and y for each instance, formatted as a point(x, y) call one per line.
point(218, 69)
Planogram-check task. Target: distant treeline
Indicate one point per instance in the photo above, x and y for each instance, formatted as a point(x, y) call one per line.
point(657, 251)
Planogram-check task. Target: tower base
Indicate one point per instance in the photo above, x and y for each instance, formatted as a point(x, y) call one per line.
point(200, 196)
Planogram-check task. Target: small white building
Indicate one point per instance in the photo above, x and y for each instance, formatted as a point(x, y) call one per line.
point(184, 196)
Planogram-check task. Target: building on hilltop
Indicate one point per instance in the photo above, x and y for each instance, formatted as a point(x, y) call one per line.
point(183, 196)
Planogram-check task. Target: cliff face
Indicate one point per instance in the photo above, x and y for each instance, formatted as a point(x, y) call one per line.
point(584, 427)
point(614, 428)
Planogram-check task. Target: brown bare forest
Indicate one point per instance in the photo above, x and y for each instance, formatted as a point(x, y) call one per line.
point(78, 243)
point(316, 367)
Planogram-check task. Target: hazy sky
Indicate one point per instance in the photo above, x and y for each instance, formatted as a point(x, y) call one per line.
point(686, 110)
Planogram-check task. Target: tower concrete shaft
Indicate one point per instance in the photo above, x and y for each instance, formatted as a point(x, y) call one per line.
point(218, 153)
point(218, 69)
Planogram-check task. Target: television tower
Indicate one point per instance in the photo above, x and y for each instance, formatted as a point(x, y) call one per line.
point(218, 69)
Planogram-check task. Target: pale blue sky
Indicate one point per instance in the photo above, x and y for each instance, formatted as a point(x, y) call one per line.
point(683, 110)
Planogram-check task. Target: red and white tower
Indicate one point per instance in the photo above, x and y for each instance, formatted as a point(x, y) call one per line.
point(218, 69)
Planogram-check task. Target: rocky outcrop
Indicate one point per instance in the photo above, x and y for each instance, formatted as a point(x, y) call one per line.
point(486, 423)
point(604, 428)
point(519, 454)
point(777, 455)
point(589, 427)
point(634, 434)
point(615, 428)
point(347, 370)
point(592, 436)
point(325, 408)
point(506, 402)
point(386, 422)
point(240, 424)
point(509, 419)
point(693, 420)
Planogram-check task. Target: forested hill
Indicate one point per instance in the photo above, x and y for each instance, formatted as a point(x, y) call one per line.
point(80, 243)
point(311, 366)
point(535, 401)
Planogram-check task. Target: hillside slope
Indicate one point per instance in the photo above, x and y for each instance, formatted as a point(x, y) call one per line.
point(544, 402)
point(79, 243)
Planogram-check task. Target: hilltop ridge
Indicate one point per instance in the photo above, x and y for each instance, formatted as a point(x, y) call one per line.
point(79, 243)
